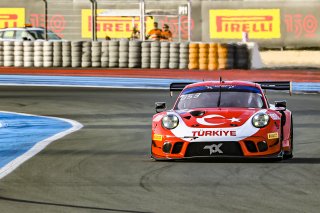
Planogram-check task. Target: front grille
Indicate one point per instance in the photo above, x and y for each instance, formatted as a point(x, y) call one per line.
point(177, 148)
point(207, 149)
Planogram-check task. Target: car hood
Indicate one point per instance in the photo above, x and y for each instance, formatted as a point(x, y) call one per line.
point(216, 118)
point(221, 124)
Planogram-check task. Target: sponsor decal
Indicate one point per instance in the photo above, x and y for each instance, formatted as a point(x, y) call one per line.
point(112, 26)
point(274, 116)
point(204, 122)
point(157, 137)
point(12, 17)
point(56, 22)
point(273, 135)
point(214, 133)
point(214, 148)
point(234, 120)
point(258, 23)
point(301, 25)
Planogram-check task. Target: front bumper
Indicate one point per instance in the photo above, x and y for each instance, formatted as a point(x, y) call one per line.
point(251, 147)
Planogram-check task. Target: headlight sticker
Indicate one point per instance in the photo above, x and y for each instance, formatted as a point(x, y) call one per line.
point(273, 135)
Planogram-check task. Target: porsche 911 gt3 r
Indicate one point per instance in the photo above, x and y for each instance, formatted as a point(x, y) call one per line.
point(223, 119)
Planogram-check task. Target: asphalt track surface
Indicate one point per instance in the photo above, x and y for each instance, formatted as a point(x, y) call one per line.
point(105, 167)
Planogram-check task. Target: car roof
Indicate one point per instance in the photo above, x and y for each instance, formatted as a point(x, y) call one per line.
point(224, 83)
point(22, 28)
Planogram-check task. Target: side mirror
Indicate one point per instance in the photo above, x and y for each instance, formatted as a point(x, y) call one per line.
point(281, 104)
point(160, 106)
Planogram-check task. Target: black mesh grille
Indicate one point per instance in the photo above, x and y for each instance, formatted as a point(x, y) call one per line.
point(203, 149)
point(251, 147)
point(177, 148)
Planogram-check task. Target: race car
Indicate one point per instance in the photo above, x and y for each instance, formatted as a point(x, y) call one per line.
point(216, 119)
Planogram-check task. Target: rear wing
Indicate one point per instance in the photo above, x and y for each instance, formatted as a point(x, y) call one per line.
point(276, 85)
point(177, 87)
point(266, 85)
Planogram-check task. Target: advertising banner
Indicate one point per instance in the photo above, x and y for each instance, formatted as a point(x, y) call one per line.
point(12, 17)
point(112, 26)
point(259, 23)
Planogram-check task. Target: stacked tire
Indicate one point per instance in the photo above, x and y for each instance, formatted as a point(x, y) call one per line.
point(174, 55)
point(123, 53)
point(47, 54)
point(96, 54)
point(38, 53)
point(18, 53)
point(222, 56)
point(184, 55)
point(203, 56)
point(28, 54)
point(76, 53)
point(1, 53)
point(164, 55)
point(155, 55)
point(134, 54)
point(57, 54)
point(86, 54)
point(66, 54)
point(231, 56)
point(145, 54)
point(113, 53)
point(193, 56)
point(8, 53)
point(105, 54)
point(213, 56)
point(242, 56)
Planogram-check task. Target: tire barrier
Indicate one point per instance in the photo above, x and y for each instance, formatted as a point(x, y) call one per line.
point(213, 56)
point(86, 54)
point(125, 54)
point(76, 53)
point(203, 56)
point(241, 57)
point(8, 53)
point(1, 54)
point(193, 56)
point(174, 55)
point(66, 54)
point(47, 54)
point(155, 55)
point(184, 55)
point(164, 55)
point(145, 54)
point(134, 54)
point(18, 53)
point(57, 54)
point(113, 53)
point(28, 54)
point(96, 54)
point(105, 54)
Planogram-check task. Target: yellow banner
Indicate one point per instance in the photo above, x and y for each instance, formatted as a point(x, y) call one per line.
point(114, 27)
point(12, 17)
point(258, 23)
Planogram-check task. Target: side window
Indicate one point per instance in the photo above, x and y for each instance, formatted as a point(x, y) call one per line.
point(8, 34)
point(1, 34)
point(20, 34)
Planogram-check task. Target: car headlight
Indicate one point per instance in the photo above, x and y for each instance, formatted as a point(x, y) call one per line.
point(170, 121)
point(260, 120)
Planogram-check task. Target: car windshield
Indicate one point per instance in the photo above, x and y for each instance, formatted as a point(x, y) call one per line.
point(39, 34)
point(231, 96)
